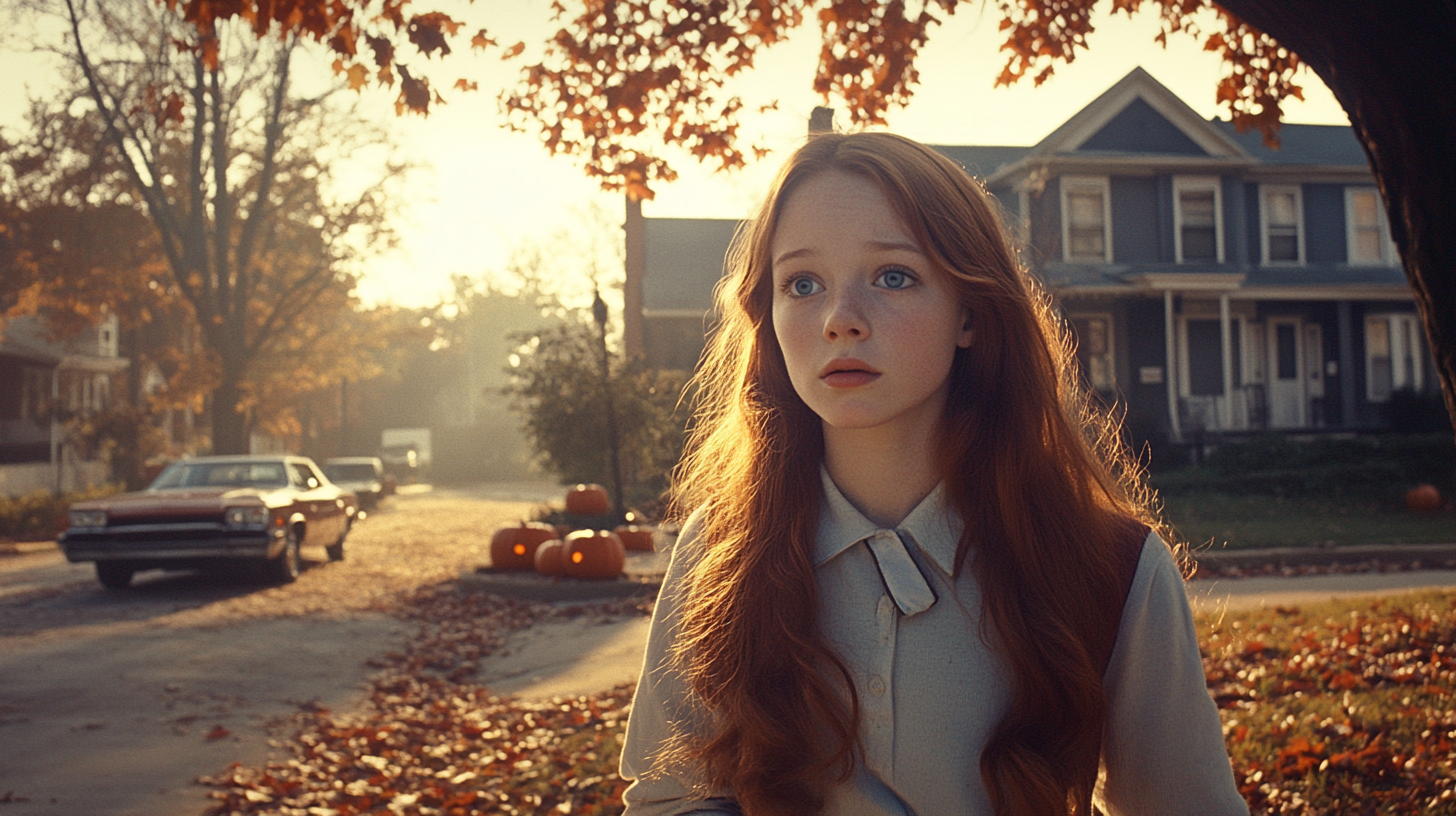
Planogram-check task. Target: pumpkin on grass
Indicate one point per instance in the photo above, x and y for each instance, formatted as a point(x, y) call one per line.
point(594, 554)
point(551, 557)
point(514, 548)
point(588, 500)
point(635, 537)
point(1423, 498)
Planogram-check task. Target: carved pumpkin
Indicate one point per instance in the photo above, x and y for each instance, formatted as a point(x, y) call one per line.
point(594, 554)
point(551, 557)
point(588, 500)
point(1424, 498)
point(635, 537)
point(514, 548)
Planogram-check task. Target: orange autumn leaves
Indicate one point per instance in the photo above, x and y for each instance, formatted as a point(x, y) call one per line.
point(1350, 712)
point(620, 81)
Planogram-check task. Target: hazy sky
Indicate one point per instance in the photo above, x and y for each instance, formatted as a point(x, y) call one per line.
point(484, 192)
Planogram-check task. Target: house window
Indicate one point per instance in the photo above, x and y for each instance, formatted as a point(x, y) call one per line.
point(1094, 349)
point(1392, 355)
point(35, 393)
point(1282, 214)
point(1086, 220)
point(1368, 239)
point(1198, 219)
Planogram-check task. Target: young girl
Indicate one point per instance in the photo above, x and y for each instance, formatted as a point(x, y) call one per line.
point(917, 577)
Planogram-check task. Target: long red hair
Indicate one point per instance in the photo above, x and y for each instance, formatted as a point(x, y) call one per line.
point(1041, 481)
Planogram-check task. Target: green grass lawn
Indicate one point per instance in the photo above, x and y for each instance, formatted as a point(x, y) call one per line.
point(1270, 521)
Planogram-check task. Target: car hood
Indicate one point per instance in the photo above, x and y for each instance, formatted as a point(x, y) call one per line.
point(182, 500)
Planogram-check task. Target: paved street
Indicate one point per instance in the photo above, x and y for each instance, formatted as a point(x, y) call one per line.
point(114, 702)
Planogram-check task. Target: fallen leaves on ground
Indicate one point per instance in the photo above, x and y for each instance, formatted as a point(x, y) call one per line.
point(1340, 708)
point(431, 741)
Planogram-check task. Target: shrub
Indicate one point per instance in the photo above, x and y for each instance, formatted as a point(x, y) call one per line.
point(40, 515)
point(557, 389)
point(1410, 412)
point(1374, 468)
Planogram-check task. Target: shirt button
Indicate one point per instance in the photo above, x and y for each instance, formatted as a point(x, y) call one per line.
point(884, 607)
point(877, 686)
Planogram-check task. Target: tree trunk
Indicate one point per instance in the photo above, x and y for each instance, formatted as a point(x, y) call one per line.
point(229, 426)
point(1390, 66)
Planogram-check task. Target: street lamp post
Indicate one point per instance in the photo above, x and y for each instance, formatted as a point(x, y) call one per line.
point(599, 312)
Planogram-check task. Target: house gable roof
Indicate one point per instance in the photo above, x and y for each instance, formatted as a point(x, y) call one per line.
point(1139, 115)
point(1141, 128)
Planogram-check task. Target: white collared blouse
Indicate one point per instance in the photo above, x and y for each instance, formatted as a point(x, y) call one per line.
point(931, 691)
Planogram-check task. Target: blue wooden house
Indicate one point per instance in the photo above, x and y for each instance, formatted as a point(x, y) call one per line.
point(1214, 285)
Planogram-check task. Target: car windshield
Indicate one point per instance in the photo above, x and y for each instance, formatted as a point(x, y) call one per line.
point(222, 474)
point(350, 473)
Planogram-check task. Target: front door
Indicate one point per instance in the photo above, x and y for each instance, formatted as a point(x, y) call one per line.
point(1286, 373)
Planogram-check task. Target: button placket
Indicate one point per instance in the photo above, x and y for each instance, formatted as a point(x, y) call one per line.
point(878, 703)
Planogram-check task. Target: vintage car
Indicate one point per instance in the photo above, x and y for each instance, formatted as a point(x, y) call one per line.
point(214, 512)
point(363, 475)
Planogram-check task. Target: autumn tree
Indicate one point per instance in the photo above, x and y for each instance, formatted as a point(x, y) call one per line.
point(619, 81)
point(225, 159)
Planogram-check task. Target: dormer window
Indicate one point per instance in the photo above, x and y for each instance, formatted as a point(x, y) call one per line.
point(1281, 215)
point(1198, 219)
point(1086, 220)
point(1367, 238)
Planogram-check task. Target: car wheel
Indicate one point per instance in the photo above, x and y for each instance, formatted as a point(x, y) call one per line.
point(336, 549)
point(113, 575)
point(284, 568)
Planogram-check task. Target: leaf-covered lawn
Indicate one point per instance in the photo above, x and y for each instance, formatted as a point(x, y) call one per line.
point(1340, 708)
point(432, 742)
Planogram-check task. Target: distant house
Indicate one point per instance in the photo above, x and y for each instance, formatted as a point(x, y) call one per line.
point(43, 381)
point(1213, 284)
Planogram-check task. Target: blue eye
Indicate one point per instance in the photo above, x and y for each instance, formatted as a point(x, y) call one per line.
point(895, 279)
point(803, 287)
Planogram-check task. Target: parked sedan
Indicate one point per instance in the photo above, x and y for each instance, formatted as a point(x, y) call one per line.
point(364, 475)
point(214, 512)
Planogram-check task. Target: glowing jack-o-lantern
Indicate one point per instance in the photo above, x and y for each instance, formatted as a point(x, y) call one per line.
point(594, 554)
point(514, 548)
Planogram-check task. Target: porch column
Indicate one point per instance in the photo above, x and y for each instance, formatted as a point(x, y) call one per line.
point(1169, 380)
point(1225, 338)
point(56, 427)
point(1345, 327)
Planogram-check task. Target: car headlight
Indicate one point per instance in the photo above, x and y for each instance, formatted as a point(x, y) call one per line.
point(246, 516)
point(87, 518)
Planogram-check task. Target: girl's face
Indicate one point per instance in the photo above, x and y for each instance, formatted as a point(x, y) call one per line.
point(867, 326)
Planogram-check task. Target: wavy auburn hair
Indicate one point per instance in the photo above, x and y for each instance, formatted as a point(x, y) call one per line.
point(1041, 480)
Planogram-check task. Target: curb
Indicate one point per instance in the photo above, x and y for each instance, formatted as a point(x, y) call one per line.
point(1433, 554)
point(26, 547)
point(529, 586)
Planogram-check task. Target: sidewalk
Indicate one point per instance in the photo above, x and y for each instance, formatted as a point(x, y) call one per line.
point(584, 656)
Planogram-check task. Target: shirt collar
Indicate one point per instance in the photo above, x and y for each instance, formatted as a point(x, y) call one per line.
point(934, 528)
